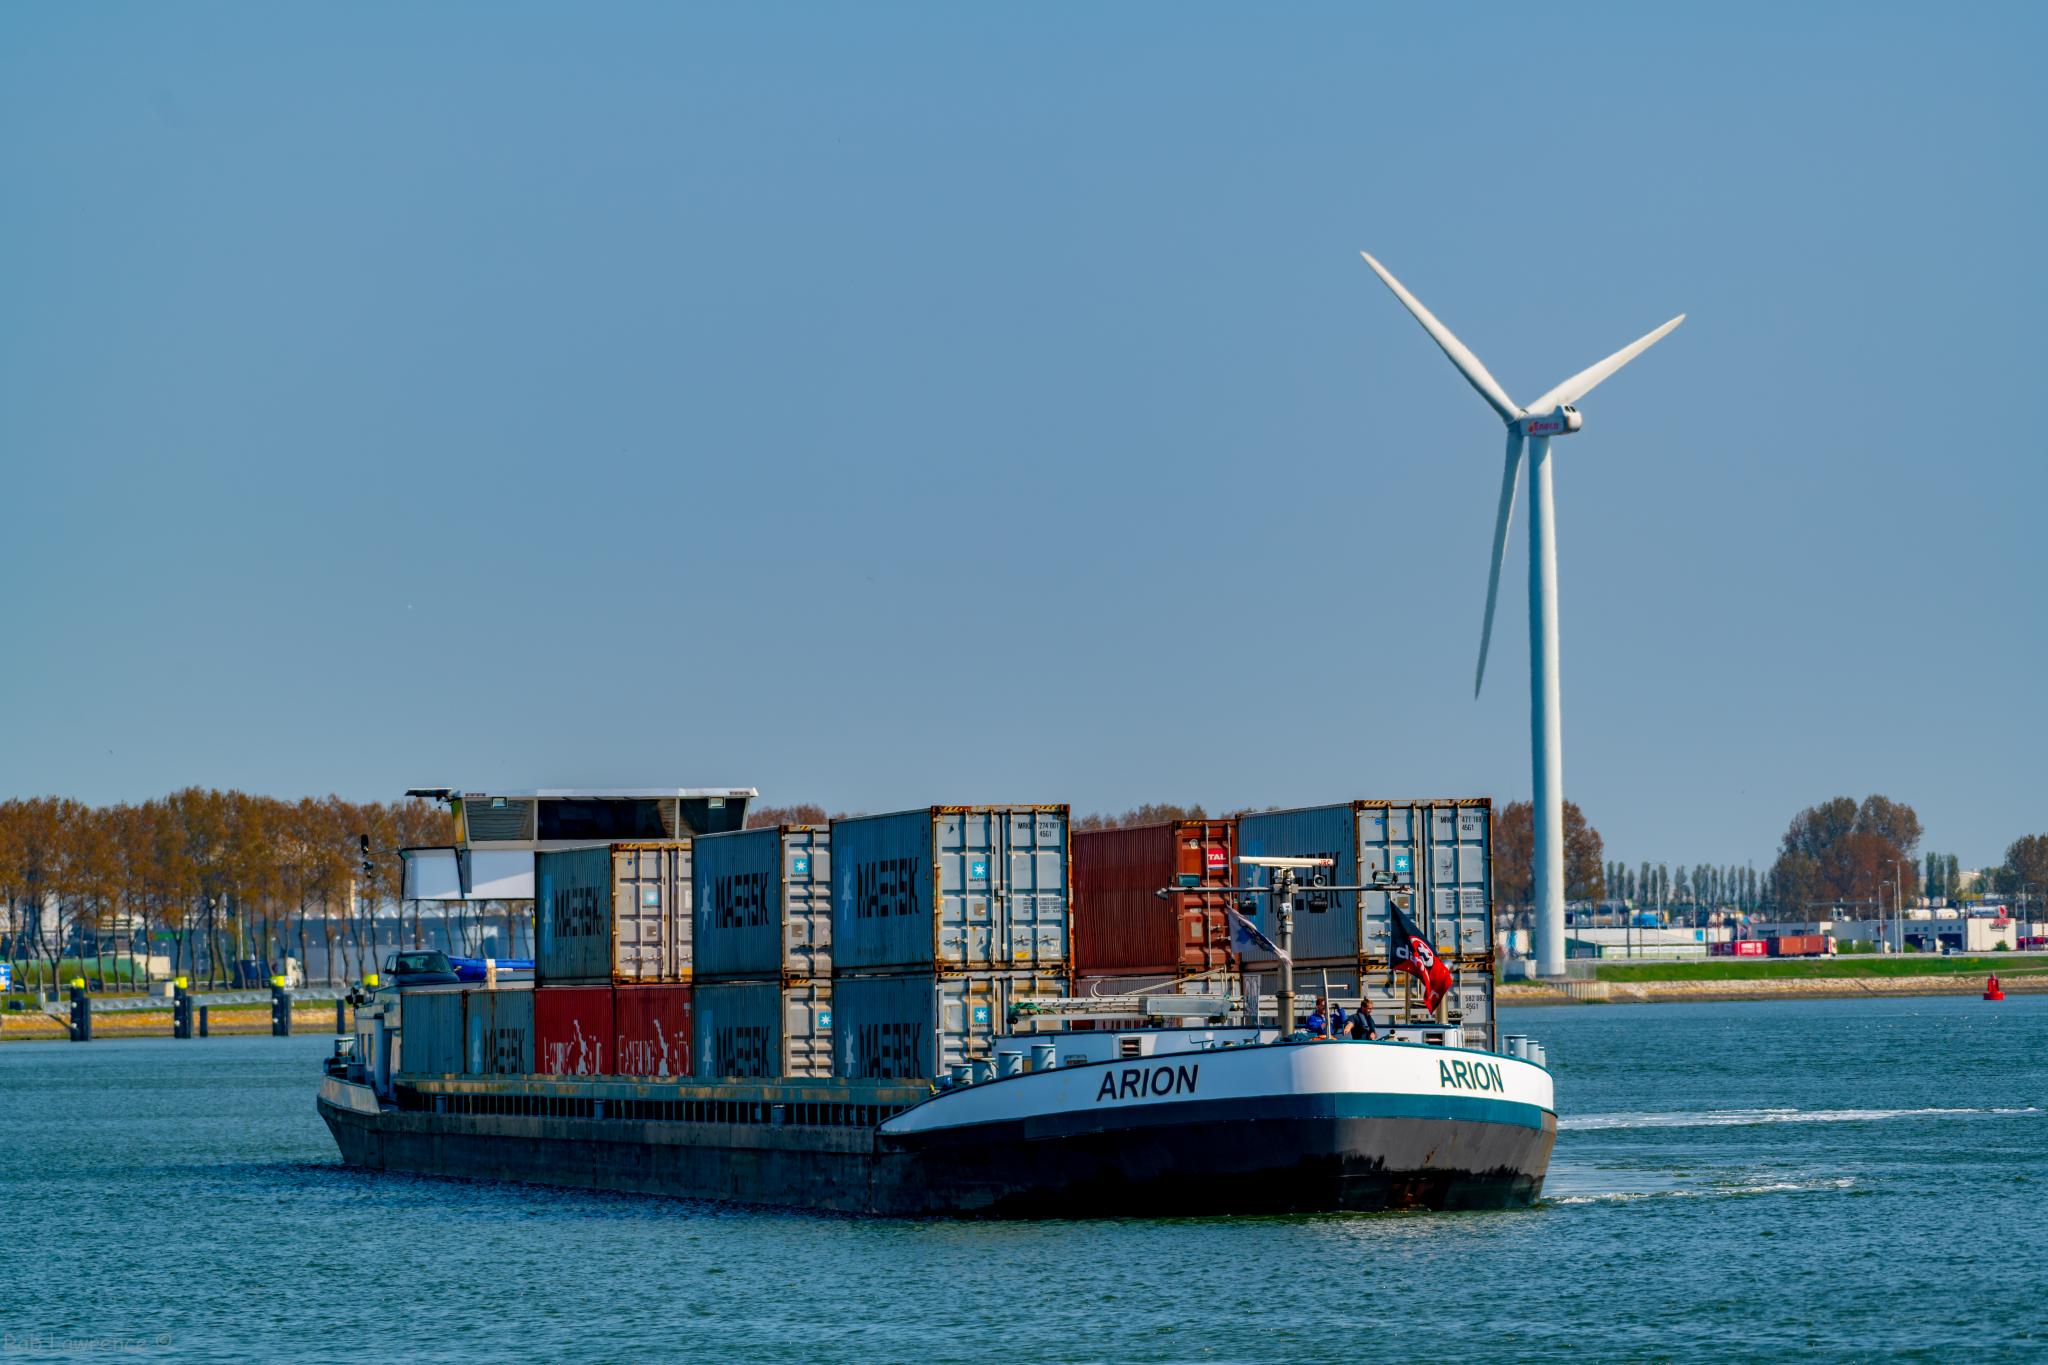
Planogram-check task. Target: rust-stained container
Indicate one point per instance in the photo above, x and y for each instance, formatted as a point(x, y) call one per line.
point(612, 913)
point(573, 1030)
point(1121, 926)
point(656, 1026)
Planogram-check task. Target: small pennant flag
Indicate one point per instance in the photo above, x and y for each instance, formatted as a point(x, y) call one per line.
point(1247, 932)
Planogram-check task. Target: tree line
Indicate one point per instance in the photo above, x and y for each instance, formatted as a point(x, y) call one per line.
point(212, 876)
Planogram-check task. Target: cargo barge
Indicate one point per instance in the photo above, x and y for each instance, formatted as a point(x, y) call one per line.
point(927, 1060)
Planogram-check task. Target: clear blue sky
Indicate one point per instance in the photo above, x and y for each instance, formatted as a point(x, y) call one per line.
point(886, 405)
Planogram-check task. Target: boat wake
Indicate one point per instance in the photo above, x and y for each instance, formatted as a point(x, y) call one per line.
point(1731, 1189)
point(1744, 1118)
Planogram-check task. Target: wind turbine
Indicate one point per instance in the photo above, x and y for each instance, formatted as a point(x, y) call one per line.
point(1554, 414)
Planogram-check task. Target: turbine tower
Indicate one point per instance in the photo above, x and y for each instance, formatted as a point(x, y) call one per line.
point(1554, 414)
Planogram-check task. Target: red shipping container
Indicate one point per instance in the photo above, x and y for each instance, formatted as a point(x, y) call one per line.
point(573, 1030)
point(1799, 945)
point(1751, 947)
point(1121, 925)
point(655, 1026)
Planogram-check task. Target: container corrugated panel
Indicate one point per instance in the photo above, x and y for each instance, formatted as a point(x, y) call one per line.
point(921, 1024)
point(573, 1031)
point(764, 904)
point(1442, 848)
point(764, 1029)
point(430, 1023)
point(612, 912)
point(656, 1027)
point(959, 888)
point(1121, 924)
point(498, 1032)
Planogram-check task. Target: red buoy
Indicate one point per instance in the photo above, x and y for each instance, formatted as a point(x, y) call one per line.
point(1992, 990)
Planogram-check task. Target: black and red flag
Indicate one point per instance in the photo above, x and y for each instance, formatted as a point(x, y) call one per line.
point(1412, 954)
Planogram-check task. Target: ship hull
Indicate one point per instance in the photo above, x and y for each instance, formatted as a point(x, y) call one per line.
point(1025, 1147)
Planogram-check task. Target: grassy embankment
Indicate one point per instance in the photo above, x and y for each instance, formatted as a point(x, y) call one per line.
point(1823, 968)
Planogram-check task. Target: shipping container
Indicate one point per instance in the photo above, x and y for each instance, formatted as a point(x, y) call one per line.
point(763, 1029)
point(922, 1025)
point(1442, 848)
point(763, 904)
point(497, 1029)
point(1120, 923)
point(1749, 947)
point(430, 1027)
point(656, 1025)
point(612, 913)
point(573, 1031)
point(956, 888)
point(1799, 945)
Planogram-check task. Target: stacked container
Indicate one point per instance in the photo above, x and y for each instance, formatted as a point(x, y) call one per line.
point(448, 1031)
point(1441, 848)
point(942, 918)
point(616, 917)
point(574, 1031)
point(1126, 938)
point(763, 940)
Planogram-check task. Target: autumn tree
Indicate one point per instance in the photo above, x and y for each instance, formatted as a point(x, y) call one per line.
point(1514, 851)
point(803, 813)
point(1840, 850)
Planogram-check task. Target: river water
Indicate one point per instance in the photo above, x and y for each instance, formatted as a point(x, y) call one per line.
point(1821, 1179)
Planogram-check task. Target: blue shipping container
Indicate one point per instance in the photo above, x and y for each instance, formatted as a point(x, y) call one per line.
point(1443, 849)
point(959, 888)
point(763, 904)
point(430, 1032)
point(922, 1025)
point(498, 1032)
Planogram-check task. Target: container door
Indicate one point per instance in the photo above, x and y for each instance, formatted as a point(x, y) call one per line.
point(807, 908)
point(1387, 843)
point(636, 905)
point(807, 1030)
point(965, 846)
point(1035, 915)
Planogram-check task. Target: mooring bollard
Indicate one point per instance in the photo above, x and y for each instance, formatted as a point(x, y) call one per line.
point(181, 1008)
point(81, 1012)
point(280, 1009)
point(204, 1010)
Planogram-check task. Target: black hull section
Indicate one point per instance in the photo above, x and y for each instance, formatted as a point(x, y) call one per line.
point(1265, 1158)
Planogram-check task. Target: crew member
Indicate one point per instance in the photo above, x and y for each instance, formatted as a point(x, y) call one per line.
point(1318, 1021)
point(1361, 1023)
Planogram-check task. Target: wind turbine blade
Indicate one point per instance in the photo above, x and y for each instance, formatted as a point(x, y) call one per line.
point(1467, 363)
point(1509, 477)
point(1585, 381)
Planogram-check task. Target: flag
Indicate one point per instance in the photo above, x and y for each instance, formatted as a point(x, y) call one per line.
point(1412, 954)
point(1247, 932)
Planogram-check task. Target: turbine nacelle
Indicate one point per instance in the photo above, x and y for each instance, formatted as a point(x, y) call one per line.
point(1562, 420)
